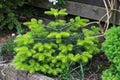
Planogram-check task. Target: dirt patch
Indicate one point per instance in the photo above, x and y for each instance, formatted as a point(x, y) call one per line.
point(96, 66)
point(3, 38)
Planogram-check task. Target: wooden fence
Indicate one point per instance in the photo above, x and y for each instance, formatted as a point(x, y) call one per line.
point(93, 9)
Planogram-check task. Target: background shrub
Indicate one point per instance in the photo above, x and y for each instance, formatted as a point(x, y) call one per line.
point(8, 18)
point(111, 47)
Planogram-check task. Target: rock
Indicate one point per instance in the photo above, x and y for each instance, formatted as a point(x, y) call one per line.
point(38, 77)
point(8, 72)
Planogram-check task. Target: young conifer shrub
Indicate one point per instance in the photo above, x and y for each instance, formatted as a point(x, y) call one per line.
point(51, 48)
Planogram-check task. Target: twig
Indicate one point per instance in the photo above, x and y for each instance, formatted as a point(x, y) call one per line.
point(3, 62)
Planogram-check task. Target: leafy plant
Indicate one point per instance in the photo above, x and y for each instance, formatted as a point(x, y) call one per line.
point(7, 15)
point(61, 3)
point(1, 54)
point(8, 47)
point(111, 47)
point(111, 74)
point(7, 50)
point(51, 48)
point(66, 74)
point(11, 22)
point(72, 73)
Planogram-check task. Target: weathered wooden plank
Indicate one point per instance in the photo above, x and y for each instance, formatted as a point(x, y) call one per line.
point(40, 3)
point(77, 8)
point(90, 2)
point(85, 10)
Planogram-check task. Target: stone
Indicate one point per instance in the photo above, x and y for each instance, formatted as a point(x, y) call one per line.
point(8, 72)
point(38, 77)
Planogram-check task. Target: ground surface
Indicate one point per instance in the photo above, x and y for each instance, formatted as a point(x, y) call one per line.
point(98, 64)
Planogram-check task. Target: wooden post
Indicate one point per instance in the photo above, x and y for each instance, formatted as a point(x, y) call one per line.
point(114, 16)
point(118, 12)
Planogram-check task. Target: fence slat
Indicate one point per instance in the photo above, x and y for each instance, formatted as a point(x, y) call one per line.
point(80, 9)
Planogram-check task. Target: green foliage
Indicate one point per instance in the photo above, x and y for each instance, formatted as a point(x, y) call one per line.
point(11, 22)
point(8, 47)
point(111, 47)
point(111, 74)
point(61, 4)
point(7, 50)
point(1, 54)
point(7, 4)
point(68, 74)
point(51, 48)
point(7, 15)
point(56, 13)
